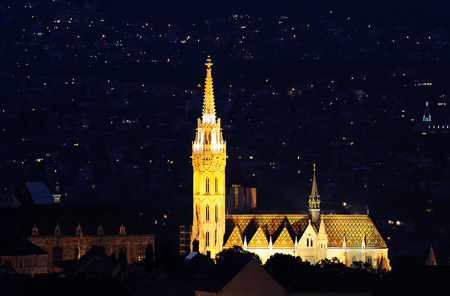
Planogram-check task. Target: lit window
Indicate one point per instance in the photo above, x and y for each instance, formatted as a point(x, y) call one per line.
point(216, 185)
point(207, 185)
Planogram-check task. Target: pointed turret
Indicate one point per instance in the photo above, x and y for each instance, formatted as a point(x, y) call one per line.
point(323, 240)
point(209, 110)
point(426, 114)
point(431, 259)
point(314, 199)
point(322, 231)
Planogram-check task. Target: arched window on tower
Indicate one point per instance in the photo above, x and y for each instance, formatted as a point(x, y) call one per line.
point(207, 213)
point(207, 238)
point(307, 242)
point(207, 185)
point(216, 185)
point(215, 238)
point(216, 213)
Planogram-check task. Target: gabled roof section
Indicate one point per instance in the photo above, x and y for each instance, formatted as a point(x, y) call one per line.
point(271, 224)
point(235, 238)
point(11, 246)
point(259, 239)
point(284, 239)
point(354, 228)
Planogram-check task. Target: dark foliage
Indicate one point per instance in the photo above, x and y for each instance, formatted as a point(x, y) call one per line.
point(236, 252)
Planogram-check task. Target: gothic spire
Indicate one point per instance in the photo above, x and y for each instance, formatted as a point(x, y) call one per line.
point(314, 192)
point(209, 110)
point(314, 199)
point(426, 114)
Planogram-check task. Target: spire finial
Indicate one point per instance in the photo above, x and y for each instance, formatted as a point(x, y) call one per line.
point(209, 111)
point(208, 62)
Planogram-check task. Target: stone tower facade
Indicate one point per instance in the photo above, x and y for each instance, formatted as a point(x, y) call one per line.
point(208, 161)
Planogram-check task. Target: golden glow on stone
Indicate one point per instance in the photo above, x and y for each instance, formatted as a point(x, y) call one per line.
point(208, 161)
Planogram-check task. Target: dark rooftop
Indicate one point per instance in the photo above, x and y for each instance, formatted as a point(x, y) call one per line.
point(67, 217)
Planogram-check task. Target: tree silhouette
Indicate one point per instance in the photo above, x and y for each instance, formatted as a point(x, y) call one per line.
point(283, 263)
point(236, 252)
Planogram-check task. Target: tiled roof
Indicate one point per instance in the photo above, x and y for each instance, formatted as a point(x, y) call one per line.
point(258, 239)
point(284, 239)
point(354, 227)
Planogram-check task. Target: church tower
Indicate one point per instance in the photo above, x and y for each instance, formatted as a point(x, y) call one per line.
point(314, 200)
point(426, 113)
point(208, 161)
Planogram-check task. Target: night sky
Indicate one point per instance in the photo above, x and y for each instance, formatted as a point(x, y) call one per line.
point(111, 100)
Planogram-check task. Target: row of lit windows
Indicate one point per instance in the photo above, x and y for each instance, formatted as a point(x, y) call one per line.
point(216, 213)
point(207, 238)
point(208, 186)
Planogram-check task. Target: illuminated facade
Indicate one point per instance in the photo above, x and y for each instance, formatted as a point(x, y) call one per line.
point(208, 161)
point(311, 236)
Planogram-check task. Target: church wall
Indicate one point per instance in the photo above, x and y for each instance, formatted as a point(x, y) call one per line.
point(358, 254)
point(265, 253)
point(111, 243)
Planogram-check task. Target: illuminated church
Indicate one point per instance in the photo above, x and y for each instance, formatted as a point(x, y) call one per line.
point(312, 236)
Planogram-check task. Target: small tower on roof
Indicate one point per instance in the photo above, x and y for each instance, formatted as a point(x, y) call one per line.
point(314, 199)
point(426, 114)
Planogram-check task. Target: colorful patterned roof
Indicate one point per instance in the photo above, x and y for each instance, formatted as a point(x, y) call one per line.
point(354, 227)
point(258, 239)
point(235, 238)
point(284, 239)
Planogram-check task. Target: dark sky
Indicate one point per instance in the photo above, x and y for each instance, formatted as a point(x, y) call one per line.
point(414, 11)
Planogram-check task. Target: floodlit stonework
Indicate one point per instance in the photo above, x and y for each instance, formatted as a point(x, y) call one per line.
point(312, 236)
point(209, 160)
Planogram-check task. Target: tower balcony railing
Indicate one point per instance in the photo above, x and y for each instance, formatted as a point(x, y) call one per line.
point(208, 147)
